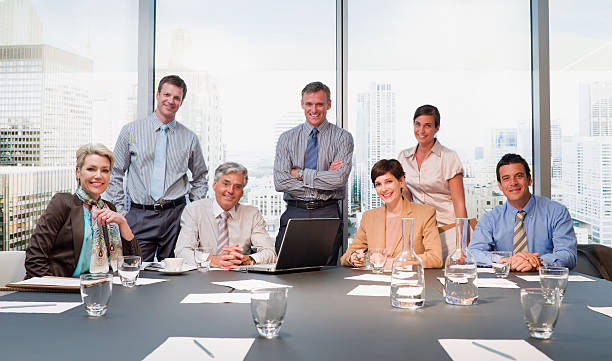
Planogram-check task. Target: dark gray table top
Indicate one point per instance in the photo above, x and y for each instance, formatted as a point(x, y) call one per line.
point(322, 322)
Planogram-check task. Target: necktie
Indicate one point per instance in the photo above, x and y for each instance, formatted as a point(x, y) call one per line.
point(520, 237)
point(159, 164)
point(312, 150)
point(223, 238)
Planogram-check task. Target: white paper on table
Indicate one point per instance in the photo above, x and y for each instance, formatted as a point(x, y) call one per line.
point(490, 283)
point(370, 277)
point(485, 270)
point(51, 281)
point(465, 350)
point(58, 307)
point(570, 278)
point(370, 290)
point(184, 349)
point(234, 297)
point(140, 281)
point(604, 310)
point(247, 285)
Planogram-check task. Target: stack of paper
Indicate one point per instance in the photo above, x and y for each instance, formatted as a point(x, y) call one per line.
point(371, 290)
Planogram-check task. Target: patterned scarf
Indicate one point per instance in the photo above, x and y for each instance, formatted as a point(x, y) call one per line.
point(99, 258)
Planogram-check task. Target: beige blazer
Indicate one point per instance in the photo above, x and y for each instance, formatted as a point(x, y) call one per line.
point(371, 234)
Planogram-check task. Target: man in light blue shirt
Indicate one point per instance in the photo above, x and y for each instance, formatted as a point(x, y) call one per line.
point(538, 230)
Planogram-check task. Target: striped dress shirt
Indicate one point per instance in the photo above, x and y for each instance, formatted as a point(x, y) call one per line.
point(135, 153)
point(335, 143)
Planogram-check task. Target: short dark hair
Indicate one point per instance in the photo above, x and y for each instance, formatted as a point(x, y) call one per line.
point(174, 80)
point(512, 158)
point(427, 110)
point(316, 86)
point(385, 166)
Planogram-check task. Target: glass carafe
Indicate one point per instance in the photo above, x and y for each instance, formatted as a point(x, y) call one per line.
point(408, 274)
point(460, 272)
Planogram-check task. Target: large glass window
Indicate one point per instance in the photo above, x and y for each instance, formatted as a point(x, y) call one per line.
point(245, 64)
point(470, 59)
point(68, 76)
point(581, 114)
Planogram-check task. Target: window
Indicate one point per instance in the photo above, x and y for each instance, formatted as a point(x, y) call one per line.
point(470, 59)
point(245, 65)
point(581, 114)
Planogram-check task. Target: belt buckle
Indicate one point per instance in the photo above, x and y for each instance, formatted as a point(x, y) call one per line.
point(310, 205)
point(158, 207)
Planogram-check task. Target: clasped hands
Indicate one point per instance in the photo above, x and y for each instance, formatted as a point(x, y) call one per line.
point(525, 261)
point(335, 165)
point(230, 257)
point(358, 258)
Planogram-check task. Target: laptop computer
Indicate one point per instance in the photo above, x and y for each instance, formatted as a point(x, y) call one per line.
point(307, 244)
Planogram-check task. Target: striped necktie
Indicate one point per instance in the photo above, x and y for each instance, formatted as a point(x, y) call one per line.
point(158, 176)
point(520, 237)
point(223, 238)
point(312, 150)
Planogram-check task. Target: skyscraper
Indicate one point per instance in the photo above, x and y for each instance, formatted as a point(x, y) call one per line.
point(46, 89)
point(374, 139)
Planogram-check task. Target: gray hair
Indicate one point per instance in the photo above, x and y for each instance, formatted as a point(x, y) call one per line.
point(231, 167)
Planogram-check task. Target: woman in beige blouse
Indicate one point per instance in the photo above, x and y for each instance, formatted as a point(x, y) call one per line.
point(434, 175)
point(382, 228)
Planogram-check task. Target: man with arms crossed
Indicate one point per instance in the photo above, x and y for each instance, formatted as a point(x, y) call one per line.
point(538, 230)
point(157, 152)
point(237, 233)
point(312, 165)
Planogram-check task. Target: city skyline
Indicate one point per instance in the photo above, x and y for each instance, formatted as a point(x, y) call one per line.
point(245, 76)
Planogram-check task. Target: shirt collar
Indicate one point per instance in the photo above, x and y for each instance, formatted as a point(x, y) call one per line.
point(321, 128)
point(217, 210)
point(528, 207)
point(436, 149)
point(158, 123)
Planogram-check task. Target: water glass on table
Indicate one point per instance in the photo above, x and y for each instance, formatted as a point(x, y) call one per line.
point(129, 269)
point(540, 311)
point(96, 290)
point(554, 279)
point(501, 262)
point(377, 258)
point(268, 308)
point(201, 256)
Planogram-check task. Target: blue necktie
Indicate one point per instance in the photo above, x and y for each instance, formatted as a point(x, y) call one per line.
point(312, 150)
point(159, 164)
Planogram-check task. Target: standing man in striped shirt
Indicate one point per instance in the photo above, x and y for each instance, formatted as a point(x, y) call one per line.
point(157, 152)
point(312, 165)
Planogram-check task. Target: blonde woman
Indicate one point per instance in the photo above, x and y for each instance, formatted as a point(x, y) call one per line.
point(80, 233)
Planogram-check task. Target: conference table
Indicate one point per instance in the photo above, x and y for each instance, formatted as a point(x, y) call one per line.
point(322, 321)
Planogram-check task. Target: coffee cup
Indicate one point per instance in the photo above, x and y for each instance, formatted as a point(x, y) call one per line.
point(173, 264)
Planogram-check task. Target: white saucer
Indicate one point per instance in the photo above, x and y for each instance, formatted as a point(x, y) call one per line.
point(168, 272)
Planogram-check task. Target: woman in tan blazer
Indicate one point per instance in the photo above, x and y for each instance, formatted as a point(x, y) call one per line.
point(381, 227)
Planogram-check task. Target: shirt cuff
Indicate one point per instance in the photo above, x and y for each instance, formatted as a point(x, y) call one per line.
point(309, 176)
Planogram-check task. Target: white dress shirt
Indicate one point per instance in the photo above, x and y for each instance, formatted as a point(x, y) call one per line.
point(247, 229)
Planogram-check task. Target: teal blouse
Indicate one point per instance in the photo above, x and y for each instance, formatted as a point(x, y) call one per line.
point(85, 256)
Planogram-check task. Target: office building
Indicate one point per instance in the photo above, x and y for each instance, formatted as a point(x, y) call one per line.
point(24, 194)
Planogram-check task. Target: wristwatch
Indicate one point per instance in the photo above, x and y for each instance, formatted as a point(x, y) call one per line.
point(301, 174)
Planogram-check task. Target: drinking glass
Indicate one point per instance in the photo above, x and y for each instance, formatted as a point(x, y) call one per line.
point(378, 259)
point(96, 289)
point(201, 257)
point(540, 311)
point(501, 262)
point(129, 268)
point(268, 307)
point(554, 278)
